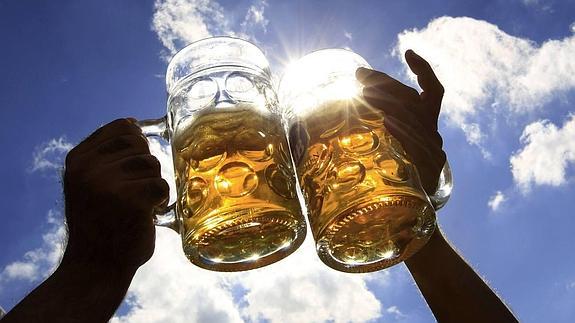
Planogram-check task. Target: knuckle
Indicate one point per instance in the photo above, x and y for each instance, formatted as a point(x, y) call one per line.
point(138, 163)
point(70, 158)
point(440, 88)
point(155, 163)
point(413, 93)
point(124, 125)
point(140, 143)
point(122, 122)
point(162, 186)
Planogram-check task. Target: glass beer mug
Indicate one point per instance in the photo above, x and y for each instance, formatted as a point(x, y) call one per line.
point(366, 206)
point(236, 206)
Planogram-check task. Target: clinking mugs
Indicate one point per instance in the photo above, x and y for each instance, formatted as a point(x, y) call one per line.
point(237, 207)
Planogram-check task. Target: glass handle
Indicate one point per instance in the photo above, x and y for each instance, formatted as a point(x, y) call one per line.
point(444, 188)
point(165, 215)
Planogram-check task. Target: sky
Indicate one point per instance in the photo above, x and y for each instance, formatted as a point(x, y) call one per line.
point(508, 123)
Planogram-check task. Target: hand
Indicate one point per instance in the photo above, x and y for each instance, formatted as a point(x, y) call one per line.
point(411, 117)
point(112, 184)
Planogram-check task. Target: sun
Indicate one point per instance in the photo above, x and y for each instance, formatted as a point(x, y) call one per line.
point(319, 77)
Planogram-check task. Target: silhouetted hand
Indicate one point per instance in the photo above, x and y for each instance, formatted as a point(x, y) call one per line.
point(411, 117)
point(112, 184)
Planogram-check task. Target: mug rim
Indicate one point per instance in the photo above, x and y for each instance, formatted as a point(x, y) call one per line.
point(169, 79)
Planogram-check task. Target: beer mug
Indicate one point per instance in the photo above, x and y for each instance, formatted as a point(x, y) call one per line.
point(366, 205)
point(236, 206)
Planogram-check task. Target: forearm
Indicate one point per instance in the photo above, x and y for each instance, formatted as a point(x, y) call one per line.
point(73, 293)
point(453, 291)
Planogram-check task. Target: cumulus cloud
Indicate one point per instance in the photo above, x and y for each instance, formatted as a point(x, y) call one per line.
point(38, 263)
point(170, 289)
point(302, 289)
point(297, 289)
point(546, 154)
point(180, 22)
point(255, 17)
point(394, 310)
point(487, 72)
point(348, 35)
point(49, 156)
point(496, 200)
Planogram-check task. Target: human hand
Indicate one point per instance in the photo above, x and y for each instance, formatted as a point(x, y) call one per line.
point(410, 116)
point(112, 184)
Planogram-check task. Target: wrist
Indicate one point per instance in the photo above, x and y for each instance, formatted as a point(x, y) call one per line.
point(92, 271)
point(428, 253)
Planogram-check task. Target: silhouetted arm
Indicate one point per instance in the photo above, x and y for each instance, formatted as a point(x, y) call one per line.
point(452, 289)
point(73, 293)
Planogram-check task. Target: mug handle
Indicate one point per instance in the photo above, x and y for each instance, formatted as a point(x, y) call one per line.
point(444, 188)
point(165, 215)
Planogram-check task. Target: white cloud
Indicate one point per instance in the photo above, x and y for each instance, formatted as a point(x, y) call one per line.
point(394, 310)
point(302, 289)
point(180, 22)
point(487, 72)
point(496, 200)
point(546, 155)
point(297, 289)
point(255, 17)
point(49, 156)
point(38, 263)
point(170, 289)
point(348, 35)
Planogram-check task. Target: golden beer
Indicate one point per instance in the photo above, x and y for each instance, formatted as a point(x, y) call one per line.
point(365, 203)
point(236, 188)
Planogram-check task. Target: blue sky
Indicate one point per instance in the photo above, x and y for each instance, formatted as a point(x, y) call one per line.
point(508, 124)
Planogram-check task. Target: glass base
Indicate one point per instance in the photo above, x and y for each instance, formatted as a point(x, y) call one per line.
point(247, 241)
point(376, 235)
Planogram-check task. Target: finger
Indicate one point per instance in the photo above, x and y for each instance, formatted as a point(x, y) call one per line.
point(432, 88)
point(115, 128)
point(389, 105)
point(426, 156)
point(409, 118)
point(387, 84)
point(109, 151)
point(411, 138)
point(131, 168)
point(145, 194)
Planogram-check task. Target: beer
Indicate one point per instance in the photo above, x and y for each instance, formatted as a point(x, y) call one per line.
point(236, 188)
point(365, 203)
